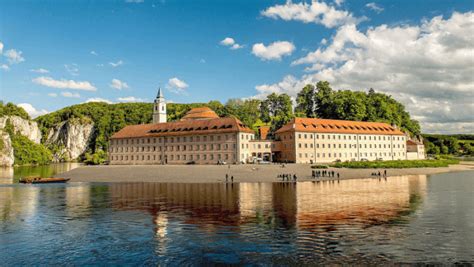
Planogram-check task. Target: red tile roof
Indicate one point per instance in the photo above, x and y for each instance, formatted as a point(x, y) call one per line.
point(185, 127)
point(413, 143)
point(338, 126)
point(201, 113)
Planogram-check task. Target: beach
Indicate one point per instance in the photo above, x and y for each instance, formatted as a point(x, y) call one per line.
point(241, 173)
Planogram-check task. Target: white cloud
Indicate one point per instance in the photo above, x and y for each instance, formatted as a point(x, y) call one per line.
point(1, 48)
point(4, 67)
point(116, 64)
point(52, 94)
point(316, 12)
point(14, 56)
point(274, 51)
point(94, 53)
point(374, 7)
point(32, 111)
point(134, 1)
point(72, 69)
point(176, 85)
point(118, 84)
point(338, 2)
point(98, 99)
point(40, 70)
point(64, 84)
point(70, 95)
point(230, 42)
point(428, 67)
point(130, 99)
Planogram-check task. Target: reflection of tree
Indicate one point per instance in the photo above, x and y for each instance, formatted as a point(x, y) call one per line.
point(403, 216)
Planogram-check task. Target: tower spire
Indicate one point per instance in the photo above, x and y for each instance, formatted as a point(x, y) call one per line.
point(159, 108)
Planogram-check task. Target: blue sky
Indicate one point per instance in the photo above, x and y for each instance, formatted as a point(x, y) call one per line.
point(68, 52)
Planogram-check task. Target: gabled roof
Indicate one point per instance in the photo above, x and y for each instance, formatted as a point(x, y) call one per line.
point(338, 126)
point(185, 127)
point(413, 143)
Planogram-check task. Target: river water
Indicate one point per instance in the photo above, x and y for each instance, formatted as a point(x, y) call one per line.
point(405, 219)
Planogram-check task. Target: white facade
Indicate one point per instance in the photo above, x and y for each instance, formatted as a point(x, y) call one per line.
point(159, 108)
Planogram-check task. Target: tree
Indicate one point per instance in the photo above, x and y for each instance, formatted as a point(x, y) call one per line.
point(305, 102)
point(276, 110)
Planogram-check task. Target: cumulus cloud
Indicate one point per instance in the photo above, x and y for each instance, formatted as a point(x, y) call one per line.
point(32, 111)
point(374, 7)
point(98, 99)
point(176, 85)
point(274, 51)
point(230, 42)
point(40, 70)
point(428, 67)
point(116, 64)
point(70, 95)
point(94, 53)
point(14, 56)
point(1, 48)
point(130, 99)
point(64, 84)
point(315, 12)
point(4, 67)
point(118, 84)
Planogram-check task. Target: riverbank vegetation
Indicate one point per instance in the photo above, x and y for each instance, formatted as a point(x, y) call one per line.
point(396, 164)
point(456, 144)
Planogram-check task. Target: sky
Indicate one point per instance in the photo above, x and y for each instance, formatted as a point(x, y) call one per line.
point(58, 53)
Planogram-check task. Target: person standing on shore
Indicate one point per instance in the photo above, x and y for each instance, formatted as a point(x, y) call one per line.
point(227, 177)
point(385, 173)
point(232, 179)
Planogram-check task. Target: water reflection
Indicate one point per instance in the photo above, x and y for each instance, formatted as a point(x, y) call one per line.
point(9, 175)
point(351, 221)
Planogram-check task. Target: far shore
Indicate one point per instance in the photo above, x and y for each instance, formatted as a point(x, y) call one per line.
point(241, 173)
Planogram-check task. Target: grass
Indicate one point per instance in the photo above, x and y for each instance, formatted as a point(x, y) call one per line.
point(397, 164)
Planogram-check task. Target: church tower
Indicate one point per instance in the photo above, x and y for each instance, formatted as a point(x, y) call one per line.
point(159, 108)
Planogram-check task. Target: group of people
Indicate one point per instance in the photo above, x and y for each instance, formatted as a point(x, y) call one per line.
point(379, 174)
point(324, 173)
point(287, 177)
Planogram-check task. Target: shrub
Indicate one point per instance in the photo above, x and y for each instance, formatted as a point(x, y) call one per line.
point(397, 164)
point(28, 152)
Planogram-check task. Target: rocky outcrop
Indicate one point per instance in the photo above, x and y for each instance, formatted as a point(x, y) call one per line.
point(25, 127)
point(6, 150)
point(69, 139)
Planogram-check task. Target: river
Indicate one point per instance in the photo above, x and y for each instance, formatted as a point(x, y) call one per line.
point(406, 219)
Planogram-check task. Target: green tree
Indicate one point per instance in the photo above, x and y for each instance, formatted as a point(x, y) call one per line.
point(305, 102)
point(276, 110)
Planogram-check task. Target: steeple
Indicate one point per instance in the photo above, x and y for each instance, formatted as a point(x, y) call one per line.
point(160, 94)
point(159, 108)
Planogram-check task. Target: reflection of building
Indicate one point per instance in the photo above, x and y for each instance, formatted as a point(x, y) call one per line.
point(306, 140)
point(282, 204)
point(415, 150)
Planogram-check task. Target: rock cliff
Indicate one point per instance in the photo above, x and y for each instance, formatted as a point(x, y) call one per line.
point(6, 150)
point(71, 139)
point(26, 128)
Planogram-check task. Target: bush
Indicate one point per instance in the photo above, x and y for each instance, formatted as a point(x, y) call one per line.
point(28, 152)
point(396, 164)
point(97, 158)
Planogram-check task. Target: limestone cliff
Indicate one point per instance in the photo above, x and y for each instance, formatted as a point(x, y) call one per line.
point(70, 138)
point(25, 127)
point(6, 150)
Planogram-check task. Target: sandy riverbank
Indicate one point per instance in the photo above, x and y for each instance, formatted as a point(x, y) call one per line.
point(213, 173)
